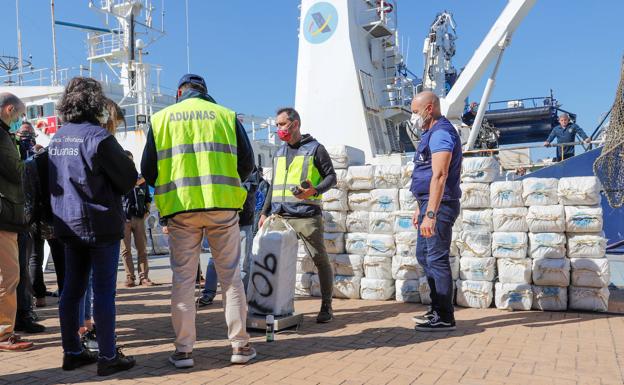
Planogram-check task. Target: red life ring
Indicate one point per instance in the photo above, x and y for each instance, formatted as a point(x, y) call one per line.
point(388, 7)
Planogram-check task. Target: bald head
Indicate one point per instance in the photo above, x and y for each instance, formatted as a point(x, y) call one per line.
point(11, 107)
point(427, 105)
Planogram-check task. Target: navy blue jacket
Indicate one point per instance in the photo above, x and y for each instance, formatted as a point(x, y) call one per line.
point(566, 135)
point(421, 176)
point(88, 174)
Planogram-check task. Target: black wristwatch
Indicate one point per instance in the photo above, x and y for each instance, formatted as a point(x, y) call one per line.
point(430, 214)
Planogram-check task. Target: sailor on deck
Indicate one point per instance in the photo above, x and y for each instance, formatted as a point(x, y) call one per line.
point(565, 132)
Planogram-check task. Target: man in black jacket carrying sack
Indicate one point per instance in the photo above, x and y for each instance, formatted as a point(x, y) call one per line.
point(12, 220)
point(136, 206)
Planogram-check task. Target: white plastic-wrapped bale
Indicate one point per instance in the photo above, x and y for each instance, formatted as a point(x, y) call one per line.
point(480, 169)
point(506, 194)
point(590, 272)
point(377, 267)
point(403, 222)
point(384, 200)
point(512, 219)
point(475, 294)
point(475, 195)
point(335, 200)
point(547, 245)
point(514, 270)
point(509, 245)
point(457, 226)
point(540, 191)
point(550, 298)
point(380, 223)
point(301, 249)
point(405, 244)
point(381, 245)
point(359, 200)
point(348, 264)
point(315, 286)
point(546, 219)
point(583, 219)
point(406, 175)
point(454, 262)
point(361, 177)
point(357, 222)
point(407, 201)
point(406, 268)
point(305, 264)
point(477, 219)
point(347, 287)
point(587, 245)
point(342, 182)
point(345, 156)
point(454, 250)
point(387, 176)
point(475, 244)
point(588, 298)
point(407, 290)
point(356, 243)
point(513, 296)
point(303, 282)
point(477, 269)
point(335, 221)
point(551, 272)
point(334, 243)
point(376, 289)
point(579, 190)
point(424, 290)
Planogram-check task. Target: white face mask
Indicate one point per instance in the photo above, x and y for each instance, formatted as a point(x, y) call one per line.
point(417, 121)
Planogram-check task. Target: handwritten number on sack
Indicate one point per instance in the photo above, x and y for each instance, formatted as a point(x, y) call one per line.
point(269, 264)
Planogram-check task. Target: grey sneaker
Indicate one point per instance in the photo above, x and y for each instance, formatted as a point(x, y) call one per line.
point(423, 319)
point(243, 355)
point(181, 360)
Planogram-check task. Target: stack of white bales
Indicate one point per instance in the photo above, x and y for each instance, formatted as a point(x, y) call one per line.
point(474, 241)
point(590, 274)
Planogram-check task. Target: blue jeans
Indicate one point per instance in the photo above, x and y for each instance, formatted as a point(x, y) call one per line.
point(210, 287)
point(86, 303)
point(433, 255)
point(80, 260)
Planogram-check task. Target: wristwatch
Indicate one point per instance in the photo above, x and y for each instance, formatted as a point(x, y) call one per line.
point(430, 214)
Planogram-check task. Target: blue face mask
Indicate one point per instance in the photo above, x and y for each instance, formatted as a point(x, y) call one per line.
point(15, 125)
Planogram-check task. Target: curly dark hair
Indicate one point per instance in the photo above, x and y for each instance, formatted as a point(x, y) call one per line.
point(83, 101)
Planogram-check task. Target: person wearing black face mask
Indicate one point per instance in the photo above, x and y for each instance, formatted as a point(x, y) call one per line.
point(26, 139)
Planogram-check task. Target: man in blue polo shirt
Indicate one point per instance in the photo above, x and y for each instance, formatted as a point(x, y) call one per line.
point(435, 184)
point(565, 132)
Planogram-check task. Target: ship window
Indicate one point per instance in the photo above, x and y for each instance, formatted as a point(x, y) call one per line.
point(49, 109)
point(34, 111)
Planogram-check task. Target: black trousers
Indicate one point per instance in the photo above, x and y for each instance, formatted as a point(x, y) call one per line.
point(57, 249)
point(24, 288)
point(36, 266)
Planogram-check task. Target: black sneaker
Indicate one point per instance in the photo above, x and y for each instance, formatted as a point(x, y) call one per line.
point(326, 314)
point(27, 325)
point(436, 324)
point(117, 364)
point(423, 319)
point(89, 341)
point(204, 301)
point(74, 361)
point(181, 360)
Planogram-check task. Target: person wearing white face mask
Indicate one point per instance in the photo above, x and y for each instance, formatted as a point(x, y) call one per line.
point(435, 185)
point(12, 220)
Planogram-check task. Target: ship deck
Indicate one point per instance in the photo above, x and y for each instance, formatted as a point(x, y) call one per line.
point(369, 342)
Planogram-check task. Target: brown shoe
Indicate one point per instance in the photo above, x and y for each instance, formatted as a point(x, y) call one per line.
point(130, 282)
point(147, 282)
point(40, 302)
point(15, 344)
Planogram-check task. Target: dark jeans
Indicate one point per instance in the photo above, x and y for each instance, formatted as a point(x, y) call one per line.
point(24, 288)
point(80, 259)
point(433, 255)
point(568, 152)
point(57, 249)
point(36, 266)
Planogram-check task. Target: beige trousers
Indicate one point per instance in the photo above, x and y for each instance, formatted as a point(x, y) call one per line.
point(136, 228)
point(9, 278)
point(185, 237)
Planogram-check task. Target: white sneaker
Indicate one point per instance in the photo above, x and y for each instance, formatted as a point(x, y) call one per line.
point(243, 355)
point(181, 360)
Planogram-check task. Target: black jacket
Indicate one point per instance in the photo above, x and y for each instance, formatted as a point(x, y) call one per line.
point(129, 201)
point(12, 217)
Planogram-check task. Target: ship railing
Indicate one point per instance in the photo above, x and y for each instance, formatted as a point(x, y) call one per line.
point(534, 102)
point(43, 76)
point(107, 43)
point(492, 151)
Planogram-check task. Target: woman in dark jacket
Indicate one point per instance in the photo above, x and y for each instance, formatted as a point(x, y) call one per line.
point(88, 174)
